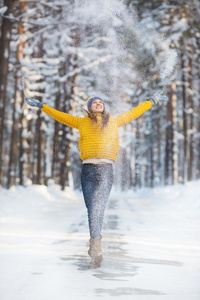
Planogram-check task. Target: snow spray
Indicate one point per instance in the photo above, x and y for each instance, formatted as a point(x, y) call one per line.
point(118, 50)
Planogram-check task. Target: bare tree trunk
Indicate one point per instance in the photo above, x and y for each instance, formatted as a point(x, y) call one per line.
point(174, 139)
point(197, 140)
point(185, 125)
point(56, 146)
point(169, 143)
point(138, 155)
point(22, 120)
point(22, 154)
point(132, 169)
point(18, 95)
point(39, 138)
point(161, 148)
point(151, 154)
point(66, 142)
point(171, 159)
point(190, 116)
point(13, 148)
point(4, 60)
point(39, 149)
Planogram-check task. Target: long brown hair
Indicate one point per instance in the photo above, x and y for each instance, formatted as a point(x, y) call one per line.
point(104, 117)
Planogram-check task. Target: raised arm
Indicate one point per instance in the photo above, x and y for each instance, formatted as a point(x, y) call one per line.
point(136, 112)
point(61, 117)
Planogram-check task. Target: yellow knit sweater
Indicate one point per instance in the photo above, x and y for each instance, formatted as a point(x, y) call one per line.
point(94, 142)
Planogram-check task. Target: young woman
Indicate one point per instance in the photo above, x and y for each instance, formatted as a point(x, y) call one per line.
point(99, 146)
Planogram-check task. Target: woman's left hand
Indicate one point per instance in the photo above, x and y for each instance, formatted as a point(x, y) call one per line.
point(158, 97)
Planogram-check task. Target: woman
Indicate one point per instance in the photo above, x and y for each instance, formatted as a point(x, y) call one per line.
point(99, 146)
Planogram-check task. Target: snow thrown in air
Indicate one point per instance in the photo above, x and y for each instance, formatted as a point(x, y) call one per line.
point(115, 45)
point(113, 53)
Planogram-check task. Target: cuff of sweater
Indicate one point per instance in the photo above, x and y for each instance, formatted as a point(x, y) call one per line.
point(151, 100)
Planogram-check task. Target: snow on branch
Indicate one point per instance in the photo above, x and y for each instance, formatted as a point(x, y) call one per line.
point(3, 10)
point(51, 5)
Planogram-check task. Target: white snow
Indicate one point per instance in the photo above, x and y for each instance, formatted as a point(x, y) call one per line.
point(6, 54)
point(169, 63)
point(3, 10)
point(151, 245)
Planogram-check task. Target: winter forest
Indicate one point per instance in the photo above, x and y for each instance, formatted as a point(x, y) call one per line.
point(63, 51)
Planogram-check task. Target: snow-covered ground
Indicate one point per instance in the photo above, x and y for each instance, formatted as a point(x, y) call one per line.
point(151, 245)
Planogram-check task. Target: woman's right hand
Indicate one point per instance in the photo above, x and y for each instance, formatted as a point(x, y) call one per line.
point(33, 102)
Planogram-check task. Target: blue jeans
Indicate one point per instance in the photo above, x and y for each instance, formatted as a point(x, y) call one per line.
point(96, 181)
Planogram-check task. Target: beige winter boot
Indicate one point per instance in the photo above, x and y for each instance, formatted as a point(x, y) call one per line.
point(95, 252)
point(95, 247)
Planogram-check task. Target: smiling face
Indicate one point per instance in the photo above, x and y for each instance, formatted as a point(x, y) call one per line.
point(97, 106)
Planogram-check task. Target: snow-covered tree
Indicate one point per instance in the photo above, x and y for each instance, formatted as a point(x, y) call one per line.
point(123, 51)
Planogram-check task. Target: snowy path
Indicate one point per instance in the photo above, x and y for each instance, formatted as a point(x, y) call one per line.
point(151, 243)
